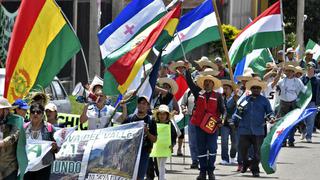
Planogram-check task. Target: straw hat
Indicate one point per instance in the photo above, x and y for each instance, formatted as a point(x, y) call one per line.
point(202, 78)
point(210, 71)
point(290, 50)
point(246, 76)
point(299, 69)
point(173, 66)
point(162, 108)
point(256, 82)
point(293, 63)
point(228, 83)
point(204, 61)
point(290, 67)
point(4, 103)
point(171, 82)
point(97, 81)
point(309, 51)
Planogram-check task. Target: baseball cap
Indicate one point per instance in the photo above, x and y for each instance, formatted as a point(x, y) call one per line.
point(21, 104)
point(143, 98)
point(51, 107)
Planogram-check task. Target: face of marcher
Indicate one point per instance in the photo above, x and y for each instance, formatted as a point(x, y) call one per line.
point(181, 69)
point(3, 113)
point(166, 86)
point(298, 75)
point(21, 112)
point(163, 72)
point(163, 116)
point(51, 116)
point(280, 56)
point(208, 85)
point(36, 115)
point(256, 90)
point(143, 107)
point(101, 98)
point(308, 57)
point(289, 73)
point(290, 55)
point(227, 90)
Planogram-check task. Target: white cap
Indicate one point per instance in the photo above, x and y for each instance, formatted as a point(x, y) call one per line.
point(51, 107)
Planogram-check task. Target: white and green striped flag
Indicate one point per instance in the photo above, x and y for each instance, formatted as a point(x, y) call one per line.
point(197, 27)
point(315, 48)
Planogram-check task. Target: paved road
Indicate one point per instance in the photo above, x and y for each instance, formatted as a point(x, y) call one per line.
point(300, 162)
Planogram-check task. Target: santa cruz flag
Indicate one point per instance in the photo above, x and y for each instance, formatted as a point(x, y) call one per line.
point(135, 17)
point(264, 31)
point(272, 143)
point(123, 65)
point(197, 27)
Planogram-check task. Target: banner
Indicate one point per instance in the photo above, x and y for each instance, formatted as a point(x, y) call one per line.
point(162, 147)
point(36, 150)
point(110, 153)
point(72, 120)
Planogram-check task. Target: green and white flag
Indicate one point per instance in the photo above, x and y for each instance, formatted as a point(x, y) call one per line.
point(315, 48)
point(197, 27)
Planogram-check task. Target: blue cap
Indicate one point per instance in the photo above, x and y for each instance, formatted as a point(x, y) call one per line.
point(21, 104)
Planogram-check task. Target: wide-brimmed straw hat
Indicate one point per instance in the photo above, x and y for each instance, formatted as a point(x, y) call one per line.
point(4, 103)
point(290, 67)
point(171, 82)
point(256, 81)
point(228, 83)
point(173, 66)
point(309, 51)
point(246, 76)
point(270, 65)
point(299, 69)
point(204, 61)
point(209, 71)
point(202, 78)
point(293, 63)
point(290, 50)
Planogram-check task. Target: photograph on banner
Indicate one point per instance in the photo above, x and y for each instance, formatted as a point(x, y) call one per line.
point(36, 151)
point(108, 153)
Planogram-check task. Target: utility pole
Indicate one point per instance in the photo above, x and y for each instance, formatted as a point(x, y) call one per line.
point(94, 50)
point(300, 25)
point(75, 27)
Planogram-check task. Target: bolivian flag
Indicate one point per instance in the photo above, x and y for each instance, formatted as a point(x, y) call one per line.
point(41, 44)
point(123, 65)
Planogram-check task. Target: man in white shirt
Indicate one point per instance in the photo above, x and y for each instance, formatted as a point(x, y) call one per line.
point(289, 87)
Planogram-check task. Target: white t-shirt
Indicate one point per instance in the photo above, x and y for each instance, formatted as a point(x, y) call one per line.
point(290, 89)
point(272, 95)
point(97, 119)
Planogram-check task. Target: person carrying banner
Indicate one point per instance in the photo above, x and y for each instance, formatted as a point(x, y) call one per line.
point(98, 114)
point(39, 129)
point(209, 109)
point(52, 115)
point(228, 128)
point(289, 88)
point(163, 115)
point(9, 135)
point(250, 118)
point(315, 100)
point(150, 133)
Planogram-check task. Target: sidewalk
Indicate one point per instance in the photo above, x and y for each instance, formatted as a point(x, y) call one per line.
point(300, 162)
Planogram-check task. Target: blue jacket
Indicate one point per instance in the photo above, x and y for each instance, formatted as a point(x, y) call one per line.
point(252, 119)
point(315, 85)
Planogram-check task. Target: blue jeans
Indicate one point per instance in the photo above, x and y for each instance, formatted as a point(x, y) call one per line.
point(193, 142)
point(207, 147)
point(143, 164)
point(309, 121)
point(227, 131)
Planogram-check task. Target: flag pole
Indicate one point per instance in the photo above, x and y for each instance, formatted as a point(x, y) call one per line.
point(223, 40)
point(284, 35)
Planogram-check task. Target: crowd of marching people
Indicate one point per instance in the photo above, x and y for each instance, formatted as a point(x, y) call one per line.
point(213, 105)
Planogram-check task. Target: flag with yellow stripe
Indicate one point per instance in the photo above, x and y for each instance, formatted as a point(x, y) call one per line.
point(41, 44)
point(123, 65)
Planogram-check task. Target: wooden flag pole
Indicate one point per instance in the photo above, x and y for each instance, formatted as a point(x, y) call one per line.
point(223, 40)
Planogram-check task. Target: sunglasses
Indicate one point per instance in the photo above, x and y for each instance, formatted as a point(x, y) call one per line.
point(37, 111)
